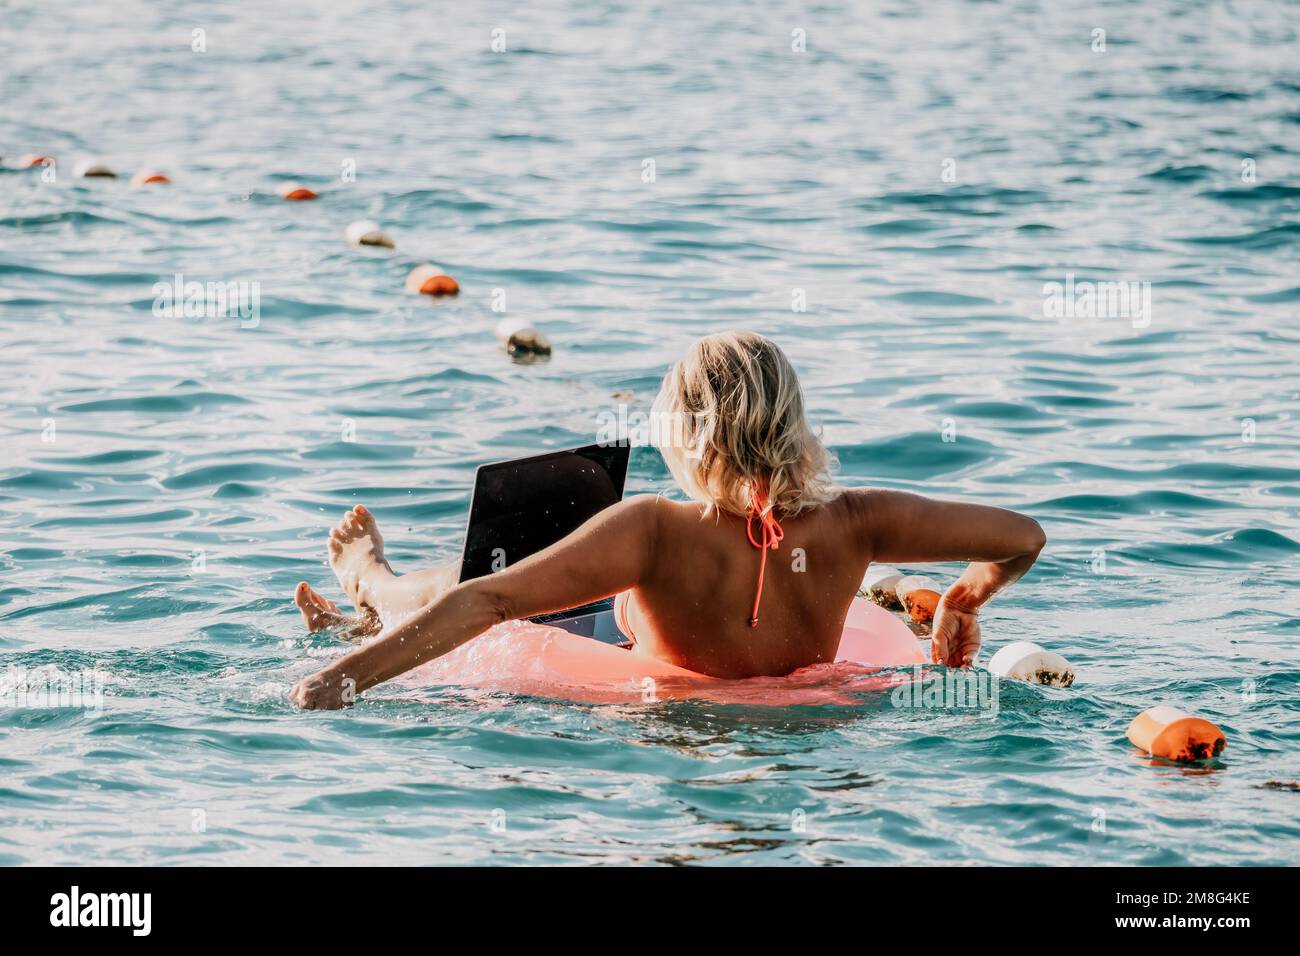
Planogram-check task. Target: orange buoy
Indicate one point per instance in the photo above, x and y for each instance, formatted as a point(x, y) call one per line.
point(440, 285)
point(1175, 735)
point(920, 595)
point(427, 280)
point(35, 159)
point(146, 176)
point(296, 192)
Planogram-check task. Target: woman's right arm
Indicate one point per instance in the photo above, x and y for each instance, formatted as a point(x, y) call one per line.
point(1000, 545)
point(610, 553)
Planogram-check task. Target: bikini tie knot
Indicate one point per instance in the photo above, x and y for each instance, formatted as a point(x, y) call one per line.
point(771, 535)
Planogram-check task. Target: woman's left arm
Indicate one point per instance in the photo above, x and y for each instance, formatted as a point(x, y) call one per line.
point(608, 554)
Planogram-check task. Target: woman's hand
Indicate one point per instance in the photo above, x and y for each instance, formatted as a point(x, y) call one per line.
point(324, 691)
point(1000, 545)
point(955, 636)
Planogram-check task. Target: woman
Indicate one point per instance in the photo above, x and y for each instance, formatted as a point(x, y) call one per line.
point(698, 582)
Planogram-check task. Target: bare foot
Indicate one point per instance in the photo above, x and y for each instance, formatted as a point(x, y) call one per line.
point(357, 556)
point(321, 614)
point(318, 612)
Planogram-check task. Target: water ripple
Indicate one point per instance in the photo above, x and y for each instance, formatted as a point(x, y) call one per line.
point(888, 204)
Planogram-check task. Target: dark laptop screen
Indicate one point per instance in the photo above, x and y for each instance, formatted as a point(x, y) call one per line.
point(520, 507)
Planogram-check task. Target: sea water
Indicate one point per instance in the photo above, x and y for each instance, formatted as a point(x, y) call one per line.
point(899, 193)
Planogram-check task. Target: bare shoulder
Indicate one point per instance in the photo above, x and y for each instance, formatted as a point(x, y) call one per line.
point(877, 502)
point(660, 522)
point(871, 510)
point(638, 509)
point(648, 512)
point(668, 520)
point(853, 504)
point(659, 505)
point(637, 517)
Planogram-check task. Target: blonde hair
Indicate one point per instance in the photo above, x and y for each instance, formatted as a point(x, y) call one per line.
point(729, 422)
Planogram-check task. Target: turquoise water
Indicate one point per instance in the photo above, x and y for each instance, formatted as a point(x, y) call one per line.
point(167, 481)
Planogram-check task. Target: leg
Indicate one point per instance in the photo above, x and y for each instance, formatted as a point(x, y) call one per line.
point(356, 552)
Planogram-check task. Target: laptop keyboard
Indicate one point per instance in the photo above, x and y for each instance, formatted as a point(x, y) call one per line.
point(595, 607)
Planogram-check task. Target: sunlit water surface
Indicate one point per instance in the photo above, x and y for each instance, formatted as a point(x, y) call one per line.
point(166, 481)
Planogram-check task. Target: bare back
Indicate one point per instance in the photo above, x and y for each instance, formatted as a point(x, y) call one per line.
point(693, 604)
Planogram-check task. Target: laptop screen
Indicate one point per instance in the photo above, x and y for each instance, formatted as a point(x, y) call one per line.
point(520, 507)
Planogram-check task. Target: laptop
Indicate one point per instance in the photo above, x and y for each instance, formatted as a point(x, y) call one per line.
point(520, 507)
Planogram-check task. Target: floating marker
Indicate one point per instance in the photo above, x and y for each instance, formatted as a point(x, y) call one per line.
point(1175, 735)
point(146, 177)
point(427, 280)
point(519, 337)
point(92, 169)
point(35, 159)
point(296, 192)
point(920, 596)
point(1022, 660)
point(366, 233)
point(441, 285)
point(880, 583)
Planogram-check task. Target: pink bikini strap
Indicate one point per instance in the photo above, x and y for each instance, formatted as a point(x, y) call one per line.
point(772, 535)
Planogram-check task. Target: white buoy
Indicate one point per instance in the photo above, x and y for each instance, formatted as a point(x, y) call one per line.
point(364, 232)
point(879, 583)
point(920, 596)
point(92, 169)
point(1023, 660)
point(518, 335)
